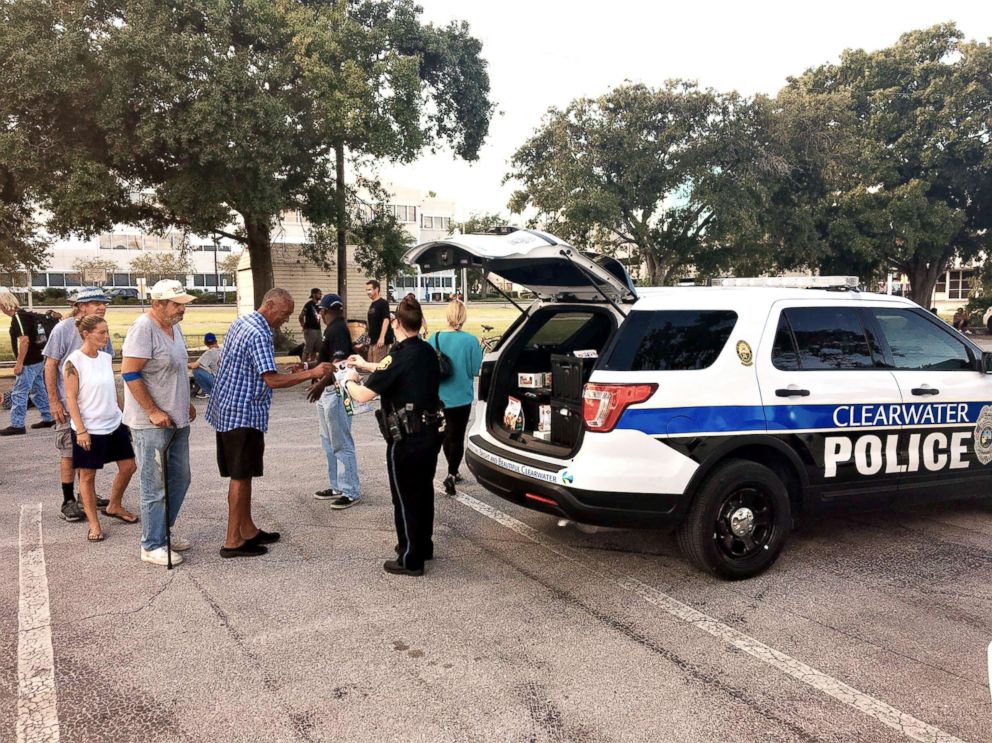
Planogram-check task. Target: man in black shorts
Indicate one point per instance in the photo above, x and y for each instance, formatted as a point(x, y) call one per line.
point(239, 411)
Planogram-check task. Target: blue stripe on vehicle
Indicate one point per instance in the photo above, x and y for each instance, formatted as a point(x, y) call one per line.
point(744, 418)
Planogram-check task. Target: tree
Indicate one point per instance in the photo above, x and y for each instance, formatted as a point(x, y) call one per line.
point(229, 264)
point(21, 246)
point(911, 190)
point(643, 171)
point(481, 222)
point(165, 265)
point(219, 113)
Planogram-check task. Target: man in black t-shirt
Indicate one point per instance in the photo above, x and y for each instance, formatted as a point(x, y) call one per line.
point(380, 333)
point(332, 415)
point(310, 322)
point(27, 339)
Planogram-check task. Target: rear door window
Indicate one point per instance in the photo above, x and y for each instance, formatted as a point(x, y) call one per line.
point(671, 340)
point(825, 338)
point(919, 343)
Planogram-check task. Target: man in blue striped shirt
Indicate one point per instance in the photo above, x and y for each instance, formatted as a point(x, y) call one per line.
point(239, 411)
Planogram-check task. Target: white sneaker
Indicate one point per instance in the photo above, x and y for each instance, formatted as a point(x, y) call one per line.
point(178, 543)
point(159, 556)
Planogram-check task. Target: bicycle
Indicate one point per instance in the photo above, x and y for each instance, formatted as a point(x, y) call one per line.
point(489, 342)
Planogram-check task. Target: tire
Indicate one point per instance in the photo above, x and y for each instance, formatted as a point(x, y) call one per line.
point(989, 325)
point(757, 497)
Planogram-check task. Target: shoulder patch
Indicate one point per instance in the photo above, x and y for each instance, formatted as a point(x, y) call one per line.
point(384, 364)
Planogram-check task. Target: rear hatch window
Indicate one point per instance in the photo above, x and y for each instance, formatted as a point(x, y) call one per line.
point(670, 340)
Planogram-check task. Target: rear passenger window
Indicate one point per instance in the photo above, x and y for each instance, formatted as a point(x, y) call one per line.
point(829, 338)
point(919, 343)
point(671, 340)
point(784, 353)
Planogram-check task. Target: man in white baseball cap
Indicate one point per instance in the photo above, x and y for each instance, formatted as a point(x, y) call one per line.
point(171, 290)
point(157, 409)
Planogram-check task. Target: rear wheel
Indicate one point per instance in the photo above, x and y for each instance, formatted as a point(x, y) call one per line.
point(739, 521)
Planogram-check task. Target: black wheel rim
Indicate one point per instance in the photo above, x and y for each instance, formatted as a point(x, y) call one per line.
point(745, 523)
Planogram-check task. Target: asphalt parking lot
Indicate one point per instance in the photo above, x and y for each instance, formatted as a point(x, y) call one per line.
point(871, 627)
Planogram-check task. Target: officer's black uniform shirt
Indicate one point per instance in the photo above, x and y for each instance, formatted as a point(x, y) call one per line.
point(337, 341)
point(409, 374)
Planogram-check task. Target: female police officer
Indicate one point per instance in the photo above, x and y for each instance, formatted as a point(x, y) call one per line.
point(410, 419)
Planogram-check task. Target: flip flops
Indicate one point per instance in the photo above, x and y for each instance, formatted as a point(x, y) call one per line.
point(91, 537)
point(119, 517)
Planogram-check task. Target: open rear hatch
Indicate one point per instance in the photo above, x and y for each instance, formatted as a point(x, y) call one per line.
point(553, 270)
point(545, 360)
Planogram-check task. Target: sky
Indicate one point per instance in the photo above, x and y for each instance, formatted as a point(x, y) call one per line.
point(545, 53)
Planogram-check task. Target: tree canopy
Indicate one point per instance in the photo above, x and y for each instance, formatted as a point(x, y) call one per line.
point(199, 114)
point(650, 171)
point(910, 189)
point(880, 162)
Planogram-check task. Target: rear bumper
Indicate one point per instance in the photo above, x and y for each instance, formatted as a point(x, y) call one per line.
point(614, 509)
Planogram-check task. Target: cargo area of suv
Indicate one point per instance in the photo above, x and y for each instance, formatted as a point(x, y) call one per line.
point(535, 398)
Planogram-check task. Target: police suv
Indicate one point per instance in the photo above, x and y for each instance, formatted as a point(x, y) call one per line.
point(720, 412)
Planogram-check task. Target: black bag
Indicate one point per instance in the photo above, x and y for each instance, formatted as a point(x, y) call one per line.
point(443, 360)
point(43, 325)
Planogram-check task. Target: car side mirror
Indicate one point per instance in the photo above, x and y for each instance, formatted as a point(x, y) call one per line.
point(986, 363)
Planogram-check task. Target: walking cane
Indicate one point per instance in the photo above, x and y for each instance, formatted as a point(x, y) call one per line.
point(165, 480)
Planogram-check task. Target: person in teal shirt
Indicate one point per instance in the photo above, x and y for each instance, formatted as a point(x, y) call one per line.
point(458, 390)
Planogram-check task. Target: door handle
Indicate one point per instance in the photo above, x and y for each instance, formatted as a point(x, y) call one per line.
point(791, 392)
point(918, 391)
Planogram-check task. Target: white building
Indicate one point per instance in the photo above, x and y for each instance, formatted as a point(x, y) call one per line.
point(425, 217)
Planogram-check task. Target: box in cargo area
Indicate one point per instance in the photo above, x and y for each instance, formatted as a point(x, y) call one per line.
point(566, 422)
point(568, 374)
point(533, 380)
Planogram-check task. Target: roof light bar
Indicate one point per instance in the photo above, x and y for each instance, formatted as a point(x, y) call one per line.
point(790, 282)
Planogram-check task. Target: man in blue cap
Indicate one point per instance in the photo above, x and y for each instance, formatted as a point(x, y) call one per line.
point(62, 341)
point(205, 367)
point(335, 422)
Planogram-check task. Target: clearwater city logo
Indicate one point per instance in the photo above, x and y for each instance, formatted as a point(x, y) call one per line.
point(983, 436)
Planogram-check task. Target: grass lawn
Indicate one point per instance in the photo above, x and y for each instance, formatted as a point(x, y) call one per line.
point(200, 320)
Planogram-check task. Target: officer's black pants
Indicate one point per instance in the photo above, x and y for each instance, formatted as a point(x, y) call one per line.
point(411, 464)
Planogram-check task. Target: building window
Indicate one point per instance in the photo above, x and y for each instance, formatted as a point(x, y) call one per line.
point(959, 284)
point(39, 280)
point(436, 223)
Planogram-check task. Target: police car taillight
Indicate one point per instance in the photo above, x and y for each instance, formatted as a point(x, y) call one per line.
point(603, 404)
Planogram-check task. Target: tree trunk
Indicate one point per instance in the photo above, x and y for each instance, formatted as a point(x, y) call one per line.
point(339, 193)
point(260, 250)
point(923, 275)
point(651, 265)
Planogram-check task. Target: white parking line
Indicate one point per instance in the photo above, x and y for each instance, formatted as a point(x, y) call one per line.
point(886, 714)
point(37, 711)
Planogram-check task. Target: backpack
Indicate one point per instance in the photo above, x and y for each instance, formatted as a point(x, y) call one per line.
point(43, 326)
point(443, 360)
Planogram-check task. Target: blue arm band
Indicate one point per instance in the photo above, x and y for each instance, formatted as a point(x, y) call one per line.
point(131, 376)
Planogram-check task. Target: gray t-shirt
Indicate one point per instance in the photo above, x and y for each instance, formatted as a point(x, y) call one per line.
point(210, 360)
point(165, 375)
point(63, 340)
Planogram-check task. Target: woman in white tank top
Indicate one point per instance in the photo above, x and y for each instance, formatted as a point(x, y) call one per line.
point(98, 435)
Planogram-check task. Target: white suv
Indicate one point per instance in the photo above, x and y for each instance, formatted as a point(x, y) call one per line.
point(720, 412)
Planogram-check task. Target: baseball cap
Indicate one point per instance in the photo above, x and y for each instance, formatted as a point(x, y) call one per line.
point(331, 301)
point(172, 290)
point(209, 338)
point(90, 294)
